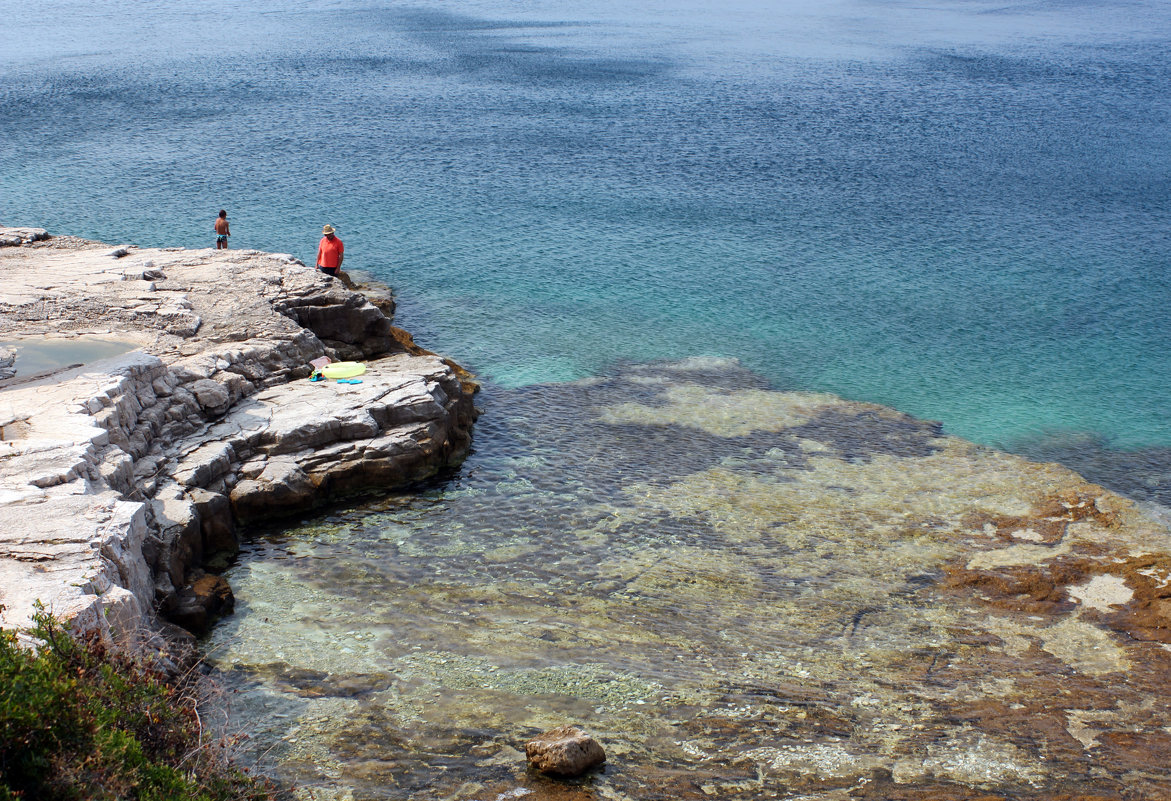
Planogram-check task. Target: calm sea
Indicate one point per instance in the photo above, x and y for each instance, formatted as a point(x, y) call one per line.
point(960, 209)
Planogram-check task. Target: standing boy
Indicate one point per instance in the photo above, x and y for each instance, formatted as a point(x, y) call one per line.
point(221, 231)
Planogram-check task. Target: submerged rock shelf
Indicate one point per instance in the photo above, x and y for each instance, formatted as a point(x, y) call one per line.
point(742, 593)
point(122, 478)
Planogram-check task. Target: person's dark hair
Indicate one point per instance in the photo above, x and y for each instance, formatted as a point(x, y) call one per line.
point(223, 213)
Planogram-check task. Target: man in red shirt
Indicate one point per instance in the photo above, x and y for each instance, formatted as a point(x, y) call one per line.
point(330, 252)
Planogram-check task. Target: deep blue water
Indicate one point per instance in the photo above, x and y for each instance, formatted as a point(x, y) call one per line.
point(961, 209)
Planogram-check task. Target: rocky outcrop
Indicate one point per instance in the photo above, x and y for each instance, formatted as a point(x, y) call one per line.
point(12, 237)
point(121, 479)
point(565, 751)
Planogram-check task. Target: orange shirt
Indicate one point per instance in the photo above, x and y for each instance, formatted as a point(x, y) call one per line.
point(329, 252)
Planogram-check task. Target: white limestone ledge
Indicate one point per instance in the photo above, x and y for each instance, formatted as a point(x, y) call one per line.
point(120, 478)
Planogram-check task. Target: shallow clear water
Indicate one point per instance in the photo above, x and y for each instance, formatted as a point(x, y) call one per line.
point(34, 357)
point(741, 593)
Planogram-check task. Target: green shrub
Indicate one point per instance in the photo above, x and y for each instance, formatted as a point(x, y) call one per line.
point(80, 722)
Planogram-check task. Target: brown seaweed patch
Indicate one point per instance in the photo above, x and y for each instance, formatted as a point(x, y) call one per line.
point(1036, 579)
point(1078, 503)
point(1143, 751)
point(1065, 702)
point(1050, 518)
point(1043, 722)
point(1150, 620)
point(1032, 589)
point(1052, 588)
point(1147, 617)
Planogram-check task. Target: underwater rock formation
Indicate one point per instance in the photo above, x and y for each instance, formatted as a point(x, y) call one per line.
point(747, 594)
point(120, 477)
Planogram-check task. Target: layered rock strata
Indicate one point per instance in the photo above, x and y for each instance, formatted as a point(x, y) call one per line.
point(122, 478)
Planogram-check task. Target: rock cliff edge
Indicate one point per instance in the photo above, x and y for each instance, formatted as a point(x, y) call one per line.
point(123, 478)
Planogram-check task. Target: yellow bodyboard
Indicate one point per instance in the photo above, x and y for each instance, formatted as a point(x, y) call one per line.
point(343, 369)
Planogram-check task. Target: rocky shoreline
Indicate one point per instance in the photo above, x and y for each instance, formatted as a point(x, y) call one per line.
point(123, 479)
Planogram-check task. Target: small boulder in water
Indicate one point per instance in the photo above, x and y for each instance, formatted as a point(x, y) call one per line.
point(199, 604)
point(564, 751)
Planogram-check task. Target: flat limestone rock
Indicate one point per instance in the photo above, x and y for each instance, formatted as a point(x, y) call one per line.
point(119, 474)
point(12, 237)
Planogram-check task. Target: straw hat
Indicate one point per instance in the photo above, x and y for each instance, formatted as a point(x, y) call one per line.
point(327, 230)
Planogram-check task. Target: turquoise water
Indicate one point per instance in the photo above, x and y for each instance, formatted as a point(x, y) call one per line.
point(960, 210)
